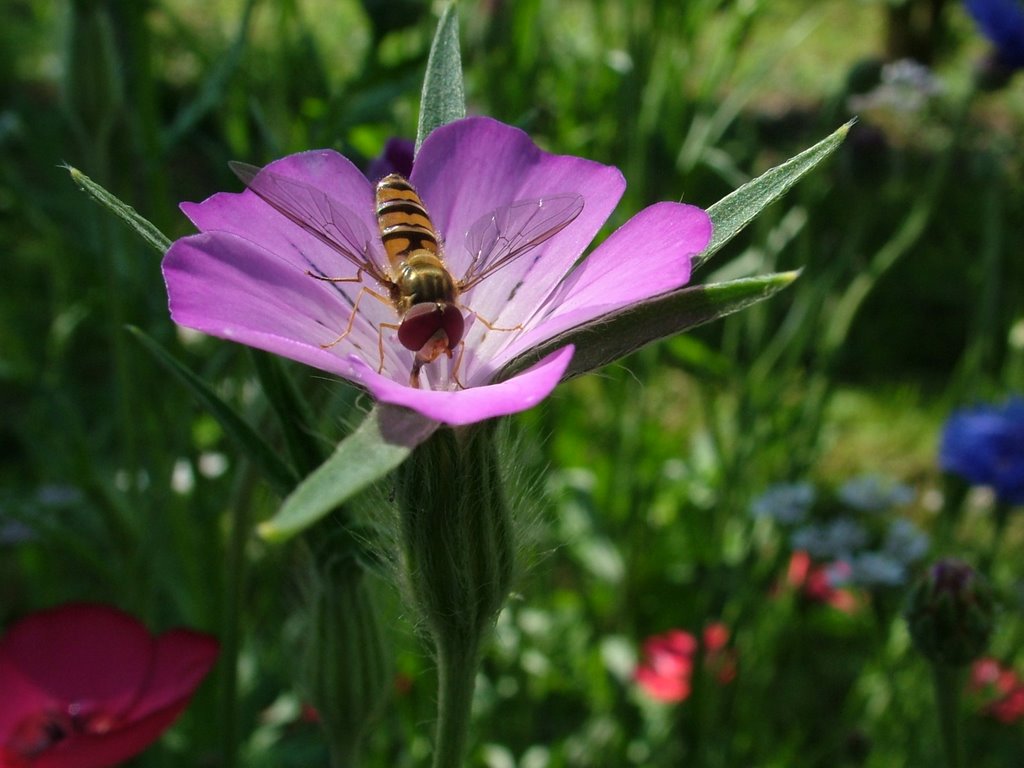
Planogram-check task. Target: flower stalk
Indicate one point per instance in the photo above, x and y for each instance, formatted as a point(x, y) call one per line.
point(457, 539)
point(950, 614)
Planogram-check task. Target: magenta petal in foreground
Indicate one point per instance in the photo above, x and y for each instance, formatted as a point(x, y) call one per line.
point(460, 407)
point(255, 273)
point(649, 255)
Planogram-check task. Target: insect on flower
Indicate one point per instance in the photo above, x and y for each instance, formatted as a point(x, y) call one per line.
point(414, 279)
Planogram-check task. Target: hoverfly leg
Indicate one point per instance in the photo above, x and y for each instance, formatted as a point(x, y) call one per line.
point(491, 326)
point(380, 345)
point(458, 363)
point(357, 279)
point(355, 308)
point(414, 373)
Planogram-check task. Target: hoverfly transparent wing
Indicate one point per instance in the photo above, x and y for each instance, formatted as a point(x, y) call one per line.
point(328, 220)
point(506, 233)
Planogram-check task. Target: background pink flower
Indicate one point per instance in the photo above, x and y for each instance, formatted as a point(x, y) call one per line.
point(87, 686)
point(814, 583)
point(666, 667)
point(1000, 689)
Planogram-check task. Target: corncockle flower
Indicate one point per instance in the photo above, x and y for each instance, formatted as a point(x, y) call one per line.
point(86, 686)
point(1002, 22)
point(816, 582)
point(785, 503)
point(666, 669)
point(667, 665)
point(1000, 688)
point(985, 446)
point(1008, 708)
point(397, 157)
point(249, 275)
point(874, 493)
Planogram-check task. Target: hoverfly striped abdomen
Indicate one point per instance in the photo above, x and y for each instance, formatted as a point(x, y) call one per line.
point(405, 225)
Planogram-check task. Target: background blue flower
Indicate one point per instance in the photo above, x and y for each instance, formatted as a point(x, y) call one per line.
point(985, 446)
point(1002, 22)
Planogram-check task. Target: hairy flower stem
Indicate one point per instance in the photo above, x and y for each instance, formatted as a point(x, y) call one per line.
point(457, 539)
point(456, 677)
point(948, 681)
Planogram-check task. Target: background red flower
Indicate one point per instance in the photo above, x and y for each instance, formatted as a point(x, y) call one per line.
point(87, 686)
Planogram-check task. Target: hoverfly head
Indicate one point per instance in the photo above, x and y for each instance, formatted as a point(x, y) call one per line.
point(437, 325)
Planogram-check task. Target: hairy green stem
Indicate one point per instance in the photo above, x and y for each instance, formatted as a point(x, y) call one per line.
point(456, 676)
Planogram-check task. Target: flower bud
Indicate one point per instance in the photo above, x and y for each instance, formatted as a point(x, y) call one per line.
point(950, 612)
point(345, 671)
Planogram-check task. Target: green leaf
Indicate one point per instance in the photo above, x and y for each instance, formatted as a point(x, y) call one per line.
point(619, 333)
point(279, 475)
point(383, 441)
point(734, 211)
point(443, 99)
point(146, 229)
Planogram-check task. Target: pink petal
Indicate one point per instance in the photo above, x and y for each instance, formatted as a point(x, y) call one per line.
point(81, 652)
point(22, 698)
point(716, 635)
point(246, 215)
point(112, 748)
point(106, 661)
point(660, 688)
point(468, 168)
point(466, 406)
point(648, 255)
point(183, 658)
point(231, 288)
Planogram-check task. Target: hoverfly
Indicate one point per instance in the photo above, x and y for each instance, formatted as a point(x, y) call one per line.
point(415, 280)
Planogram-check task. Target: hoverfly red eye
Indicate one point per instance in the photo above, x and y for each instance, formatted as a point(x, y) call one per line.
point(424, 320)
point(420, 323)
point(453, 323)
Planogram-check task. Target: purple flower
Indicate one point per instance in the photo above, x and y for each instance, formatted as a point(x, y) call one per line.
point(1002, 22)
point(985, 446)
point(248, 276)
point(396, 158)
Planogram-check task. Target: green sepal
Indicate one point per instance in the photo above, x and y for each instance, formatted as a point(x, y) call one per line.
point(443, 99)
point(145, 229)
point(306, 451)
point(281, 477)
point(382, 442)
point(737, 209)
point(619, 333)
